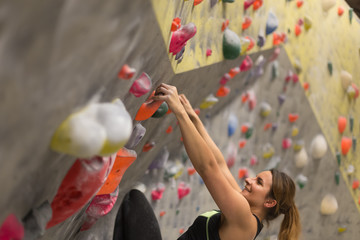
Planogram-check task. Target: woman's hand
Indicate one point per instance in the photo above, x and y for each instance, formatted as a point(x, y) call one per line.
point(170, 95)
point(187, 106)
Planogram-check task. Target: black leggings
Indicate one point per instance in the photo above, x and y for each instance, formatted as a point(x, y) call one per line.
point(135, 219)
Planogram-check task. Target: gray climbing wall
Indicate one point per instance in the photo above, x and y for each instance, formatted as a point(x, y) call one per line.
point(58, 55)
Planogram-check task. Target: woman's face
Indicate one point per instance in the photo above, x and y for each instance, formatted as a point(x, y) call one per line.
point(256, 189)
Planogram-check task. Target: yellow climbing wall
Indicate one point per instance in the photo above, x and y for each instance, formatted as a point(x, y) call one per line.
point(331, 38)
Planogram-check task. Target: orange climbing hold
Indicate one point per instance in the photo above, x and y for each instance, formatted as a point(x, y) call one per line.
point(169, 129)
point(162, 213)
point(126, 72)
point(293, 117)
point(267, 126)
point(197, 111)
point(355, 184)
point(225, 25)
point(234, 71)
point(244, 97)
point(176, 24)
point(124, 158)
point(148, 146)
point(148, 108)
point(278, 38)
point(242, 143)
point(191, 171)
point(244, 128)
point(306, 86)
point(299, 3)
point(340, 10)
point(243, 173)
point(252, 43)
point(342, 121)
point(247, 22)
point(346, 144)
point(197, 2)
point(222, 91)
point(297, 30)
point(257, 4)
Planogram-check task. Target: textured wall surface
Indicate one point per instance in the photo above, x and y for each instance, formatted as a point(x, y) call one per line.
point(56, 56)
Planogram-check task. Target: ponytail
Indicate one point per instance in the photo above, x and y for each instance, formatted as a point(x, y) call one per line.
point(290, 227)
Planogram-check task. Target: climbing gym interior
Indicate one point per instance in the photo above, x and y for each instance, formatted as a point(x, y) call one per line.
point(275, 83)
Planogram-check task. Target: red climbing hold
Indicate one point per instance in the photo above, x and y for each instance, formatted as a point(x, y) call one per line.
point(293, 117)
point(180, 37)
point(234, 71)
point(148, 108)
point(267, 126)
point(252, 43)
point(169, 129)
point(248, 3)
point(257, 4)
point(196, 2)
point(162, 213)
point(191, 171)
point(340, 10)
point(126, 72)
point(197, 111)
point(355, 184)
point(346, 144)
point(244, 128)
point(243, 173)
point(242, 143)
point(124, 158)
point(176, 24)
point(247, 22)
point(141, 85)
point(11, 229)
point(183, 190)
point(225, 79)
point(297, 30)
point(208, 52)
point(246, 64)
point(148, 146)
point(225, 25)
point(299, 3)
point(222, 91)
point(80, 184)
point(306, 86)
point(342, 124)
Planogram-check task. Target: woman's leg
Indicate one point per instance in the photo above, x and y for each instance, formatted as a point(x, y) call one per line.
point(135, 219)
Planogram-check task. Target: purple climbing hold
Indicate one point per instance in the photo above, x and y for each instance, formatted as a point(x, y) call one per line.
point(160, 160)
point(136, 136)
point(281, 99)
point(180, 54)
point(180, 37)
point(141, 86)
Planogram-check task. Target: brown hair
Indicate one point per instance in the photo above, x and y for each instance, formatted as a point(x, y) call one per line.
point(283, 191)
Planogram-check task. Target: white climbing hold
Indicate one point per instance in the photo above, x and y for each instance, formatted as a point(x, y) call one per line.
point(301, 158)
point(318, 147)
point(346, 79)
point(329, 205)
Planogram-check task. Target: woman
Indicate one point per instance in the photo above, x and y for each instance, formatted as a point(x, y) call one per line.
point(264, 197)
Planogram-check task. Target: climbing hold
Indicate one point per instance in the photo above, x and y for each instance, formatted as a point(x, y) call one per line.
point(301, 180)
point(338, 157)
point(355, 184)
point(354, 143)
point(286, 143)
point(80, 184)
point(124, 158)
point(252, 43)
point(11, 229)
point(234, 71)
point(208, 102)
point(126, 72)
point(350, 14)
point(243, 173)
point(160, 159)
point(173, 170)
point(180, 37)
point(97, 129)
point(141, 86)
point(246, 23)
point(328, 205)
point(251, 99)
point(176, 24)
point(136, 136)
point(341, 229)
point(242, 143)
point(281, 99)
point(183, 190)
point(179, 56)
point(342, 121)
point(350, 170)
point(352, 92)
point(267, 126)
point(148, 108)
point(306, 86)
point(299, 3)
point(229, 1)
point(257, 4)
point(327, 4)
point(297, 30)
point(196, 2)
point(157, 193)
point(301, 158)
point(278, 38)
point(340, 10)
point(293, 117)
point(249, 132)
point(248, 3)
point(225, 79)
point(169, 129)
point(231, 155)
point(337, 177)
point(274, 70)
point(265, 109)
point(307, 23)
point(268, 151)
point(272, 23)
point(161, 111)
point(100, 206)
point(275, 54)
point(191, 171)
point(346, 79)
point(208, 52)
point(253, 160)
point(318, 147)
point(294, 131)
point(35, 221)
point(330, 68)
point(260, 41)
point(244, 43)
point(232, 124)
point(274, 126)
point(148, 146)
point(225, 24)
point(346, 143)
point(246, 64)
point(231, 44)
point(162, 213)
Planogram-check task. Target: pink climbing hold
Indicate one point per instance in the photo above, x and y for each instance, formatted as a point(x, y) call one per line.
point(126, 72)
point(100, 206)
point(252, 100)
point(180, 37)
point(253, 160)
point(141, 86)
point(286, 143)
point(208, 52)
point(225, 79)
point(81, 183)
point(183, 190)
point(248, 3)
point(246, 64)
point(275, 54)
point(11, 229)
point(157, 193)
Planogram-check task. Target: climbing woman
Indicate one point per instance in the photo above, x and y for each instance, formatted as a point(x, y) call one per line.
point(264, 197)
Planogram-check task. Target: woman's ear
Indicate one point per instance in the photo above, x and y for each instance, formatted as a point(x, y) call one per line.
point(269, 203)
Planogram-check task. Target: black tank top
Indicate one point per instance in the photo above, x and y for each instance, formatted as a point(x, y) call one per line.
point(206, 227)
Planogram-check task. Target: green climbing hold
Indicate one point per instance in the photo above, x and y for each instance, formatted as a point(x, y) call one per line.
point(354, 143)
point(338, 157)
point(337, 177)
point(162, 110)
point(229, 1)
point(351, 123)
point(275, 70)
point(351, 14)
point(249, 132)
point(231, 44)
point(330, 68)
point(177, 212)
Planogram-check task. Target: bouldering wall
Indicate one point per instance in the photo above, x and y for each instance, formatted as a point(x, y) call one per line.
point(61, 56)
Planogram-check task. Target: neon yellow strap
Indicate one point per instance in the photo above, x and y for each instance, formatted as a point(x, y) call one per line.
point(208, 215)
